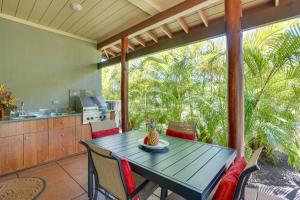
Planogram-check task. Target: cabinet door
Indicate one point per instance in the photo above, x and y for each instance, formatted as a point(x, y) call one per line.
point(63, 143)
point(64, 122)
point(82, 133)
point(33, 126)
point(11, 154)
point(35, 148)
point(10, 129)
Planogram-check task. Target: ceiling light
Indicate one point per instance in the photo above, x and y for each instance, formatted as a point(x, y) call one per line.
point(76, 7)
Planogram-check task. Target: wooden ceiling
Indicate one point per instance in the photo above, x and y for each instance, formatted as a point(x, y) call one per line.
point(100, 21)
point(97, 20)
point(193, 17)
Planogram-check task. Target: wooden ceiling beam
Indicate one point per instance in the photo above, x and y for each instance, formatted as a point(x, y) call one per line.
point(152, 36)
point(131, 46)
point(140, 40)
point(110, 52)
point(183, 24)
point(106, 54)
point(252, 18)
point(159, 19)
point(166, 30)
point(203, 18)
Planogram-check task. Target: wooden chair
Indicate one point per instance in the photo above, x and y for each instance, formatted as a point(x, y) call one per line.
point(104, 128)
point(184, 130)
point(114, 178)
point(241, 193)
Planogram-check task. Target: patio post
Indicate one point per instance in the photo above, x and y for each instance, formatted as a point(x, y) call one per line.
point(233, 14)
point(124, 84)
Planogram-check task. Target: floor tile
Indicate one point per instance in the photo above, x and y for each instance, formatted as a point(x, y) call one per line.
point(76, 167)
point(7, 177)
point(85, 197)
point(82, 197)
point(59, 185)
point(153, 197)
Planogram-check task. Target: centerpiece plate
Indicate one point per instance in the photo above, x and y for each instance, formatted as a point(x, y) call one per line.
point(162, 144)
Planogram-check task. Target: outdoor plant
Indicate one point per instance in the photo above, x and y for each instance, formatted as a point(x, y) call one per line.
point(190, 84)
point(7, 101)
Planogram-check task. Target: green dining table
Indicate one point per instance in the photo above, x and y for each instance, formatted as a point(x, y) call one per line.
point(189, 168)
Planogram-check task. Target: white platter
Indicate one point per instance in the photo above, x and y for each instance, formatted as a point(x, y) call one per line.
point(161, 144)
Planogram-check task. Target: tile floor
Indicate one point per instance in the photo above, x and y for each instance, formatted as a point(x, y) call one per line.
point(66, 179)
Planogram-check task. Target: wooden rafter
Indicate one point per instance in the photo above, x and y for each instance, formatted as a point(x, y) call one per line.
point(106, 54)
point(117, 46)
point(166, 30)
point(183, 24)
point(152, 36)
point(159, 19)
point(276, 2)
point(140, 41)
point(110, 52)
point(131, 46)
point(203, 18)
point(252, 18)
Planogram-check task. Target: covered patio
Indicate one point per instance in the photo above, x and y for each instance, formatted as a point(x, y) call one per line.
point(185, 168)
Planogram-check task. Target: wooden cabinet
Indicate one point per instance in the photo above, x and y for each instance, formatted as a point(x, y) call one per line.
point(11, 153)
point(63, 142)
point(62, 134)
point(11, 128)
point(83, 132)
point(33, 126)
point(36, 142)
point(35, 148)
point(29, 143)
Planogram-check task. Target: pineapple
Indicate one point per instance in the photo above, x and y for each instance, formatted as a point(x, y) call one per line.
point(153, 135)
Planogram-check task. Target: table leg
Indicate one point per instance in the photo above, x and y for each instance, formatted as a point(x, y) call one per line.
point(90, 177)
point(163, 193)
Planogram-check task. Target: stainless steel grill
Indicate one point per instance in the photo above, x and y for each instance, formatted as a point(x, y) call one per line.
point(92, 106)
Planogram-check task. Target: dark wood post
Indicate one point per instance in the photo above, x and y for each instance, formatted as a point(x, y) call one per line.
point(233, 13)
point(124, 84)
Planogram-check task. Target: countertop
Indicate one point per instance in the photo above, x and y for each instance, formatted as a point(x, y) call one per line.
point(12, 119)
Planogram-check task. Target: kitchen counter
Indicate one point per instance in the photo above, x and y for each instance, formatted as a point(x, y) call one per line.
point(20, 119)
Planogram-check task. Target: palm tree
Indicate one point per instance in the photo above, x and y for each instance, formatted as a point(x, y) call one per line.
point(190, 83)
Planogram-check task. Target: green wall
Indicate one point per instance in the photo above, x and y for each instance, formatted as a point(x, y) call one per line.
point(39, 66)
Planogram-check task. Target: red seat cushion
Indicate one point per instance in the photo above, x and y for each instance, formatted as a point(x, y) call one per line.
point(129, 179)
point(228, 183)
point(182, 135)
point(99, 134)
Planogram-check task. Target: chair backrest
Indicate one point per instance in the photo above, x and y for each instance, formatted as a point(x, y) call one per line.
point(103, 128)
point(188, 128)
point(244, 177)
point(103, 125)
point(108, 171)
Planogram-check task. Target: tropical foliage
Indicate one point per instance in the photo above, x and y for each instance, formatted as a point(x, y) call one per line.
point(190, 84)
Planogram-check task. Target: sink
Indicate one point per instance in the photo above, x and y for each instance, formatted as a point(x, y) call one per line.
point(25, 117)
point(28, 116)
point(58, 114)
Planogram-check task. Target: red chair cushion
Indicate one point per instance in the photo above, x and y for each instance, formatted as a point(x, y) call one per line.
point(228, 183)
point(100, 134)
point(129, 179)
point(177, 134)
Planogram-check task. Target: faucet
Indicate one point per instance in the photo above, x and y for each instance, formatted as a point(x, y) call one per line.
point(22, 108)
